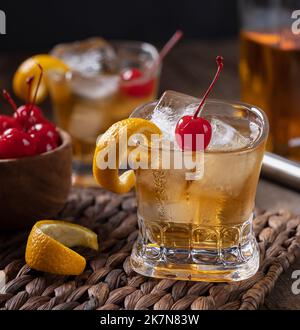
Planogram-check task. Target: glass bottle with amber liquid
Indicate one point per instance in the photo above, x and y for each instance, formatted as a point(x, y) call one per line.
point(270, 69)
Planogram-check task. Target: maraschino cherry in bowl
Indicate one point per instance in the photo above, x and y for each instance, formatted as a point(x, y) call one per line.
point(35, 166)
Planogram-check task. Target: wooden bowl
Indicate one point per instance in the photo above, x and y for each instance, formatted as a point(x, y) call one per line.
point(36, 187)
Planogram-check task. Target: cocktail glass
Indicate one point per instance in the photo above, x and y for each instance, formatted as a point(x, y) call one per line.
point(91, 96)
point(270, 68)
point(201, 229)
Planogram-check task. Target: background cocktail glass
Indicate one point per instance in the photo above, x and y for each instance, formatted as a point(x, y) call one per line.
point(91, 96)
point(202, 229)
point(270, 69)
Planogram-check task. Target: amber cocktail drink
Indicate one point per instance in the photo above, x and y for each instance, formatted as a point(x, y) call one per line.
point(270, 69)
point(99, 89)
point(200, 228)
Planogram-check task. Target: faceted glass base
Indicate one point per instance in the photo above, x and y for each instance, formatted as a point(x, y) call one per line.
point(220, 264)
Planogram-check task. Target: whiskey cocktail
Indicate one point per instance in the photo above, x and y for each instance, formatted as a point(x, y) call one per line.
point(201, 229)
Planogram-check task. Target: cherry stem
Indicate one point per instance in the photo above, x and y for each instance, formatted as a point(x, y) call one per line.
point(37, 86)
point(219, 60)
point(9, 99)
point(169, 45)
point(29, 82)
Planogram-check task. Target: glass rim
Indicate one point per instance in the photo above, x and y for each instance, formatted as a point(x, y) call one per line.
point(156, 66)
point(153, 72)
point(258, 112)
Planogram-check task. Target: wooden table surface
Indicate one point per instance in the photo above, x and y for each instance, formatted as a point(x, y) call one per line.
point(189, 69)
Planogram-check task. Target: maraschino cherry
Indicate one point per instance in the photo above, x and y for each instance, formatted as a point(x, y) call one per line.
point(191, 126)
point(7, 122)
point(41, 131)
point(30, 114)
point(30, 133)
point(26, 115)
point(145, 85)
point(46, 129)
point(45, 137)
point(138, 89)
point(15, 143)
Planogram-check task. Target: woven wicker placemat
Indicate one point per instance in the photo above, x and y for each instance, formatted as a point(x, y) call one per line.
point(109, 283)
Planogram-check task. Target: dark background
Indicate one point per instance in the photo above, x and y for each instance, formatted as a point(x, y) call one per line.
point(210, 28)
point(41, 24)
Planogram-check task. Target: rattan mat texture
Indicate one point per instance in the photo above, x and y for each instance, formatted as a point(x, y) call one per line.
point(109, 283)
